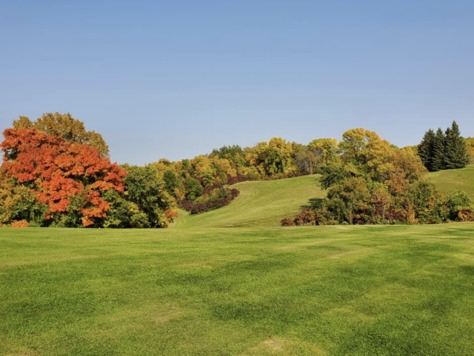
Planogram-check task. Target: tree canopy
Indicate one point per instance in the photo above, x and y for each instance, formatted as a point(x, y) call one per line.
point(67, 177)
point(56, 173)
point(443, 150)
point(66, 127)
point(376, 182)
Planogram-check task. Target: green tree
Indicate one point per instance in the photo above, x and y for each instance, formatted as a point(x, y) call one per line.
point(123, 213)
point(18, 202)
point(426, 149)
point(438, 153)
point(425, 199)
point(170, 182)
point(193, 189)
point(444, 150)
point(455, 148)
point(143, 188)
point(460, 207)
point(349, 201)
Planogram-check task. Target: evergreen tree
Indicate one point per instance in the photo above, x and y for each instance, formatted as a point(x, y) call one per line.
point(455, 155)
point(425, 149)
point(438, 152)
point(443, 150)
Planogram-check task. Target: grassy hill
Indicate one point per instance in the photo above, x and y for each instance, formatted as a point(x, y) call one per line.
point(260, 204)
point(265, 203)
point(454, 180)
point(232, 281)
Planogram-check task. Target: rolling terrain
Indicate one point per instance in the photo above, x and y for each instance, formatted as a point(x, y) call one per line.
point(233, 281)
point(260, 204)
point(265, 203)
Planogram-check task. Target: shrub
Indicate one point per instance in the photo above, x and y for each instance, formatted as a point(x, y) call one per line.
point(459, 207)
point(20, 223)
point(217, 198)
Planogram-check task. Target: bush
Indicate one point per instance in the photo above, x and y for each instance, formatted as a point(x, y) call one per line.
point(287, 222)
point(217, 198)
point(459, 207)
point(20, 223)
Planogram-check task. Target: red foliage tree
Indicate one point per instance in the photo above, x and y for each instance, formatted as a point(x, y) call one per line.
point(59, 171)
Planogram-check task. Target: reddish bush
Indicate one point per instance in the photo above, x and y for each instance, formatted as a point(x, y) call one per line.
point(216, 199)
point(20, 223)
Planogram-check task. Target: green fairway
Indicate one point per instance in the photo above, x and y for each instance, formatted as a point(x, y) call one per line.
point(232, 281)
point(314, 290)
point(454, 180)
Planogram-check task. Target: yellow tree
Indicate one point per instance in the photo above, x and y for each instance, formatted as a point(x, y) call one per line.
point(325, 149)
point(273, 157)
point(66, 127)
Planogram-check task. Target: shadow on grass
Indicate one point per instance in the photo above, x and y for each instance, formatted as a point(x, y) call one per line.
point(313, 203)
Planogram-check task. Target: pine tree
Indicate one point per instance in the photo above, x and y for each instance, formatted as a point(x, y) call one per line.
point(425, 149)
point(455, 148)
point(438, 152)
point(443, 150)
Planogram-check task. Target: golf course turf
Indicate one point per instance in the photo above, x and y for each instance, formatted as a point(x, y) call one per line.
point(232, 281)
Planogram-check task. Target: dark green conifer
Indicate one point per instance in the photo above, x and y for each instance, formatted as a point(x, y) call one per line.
point(438, 152)
point(425, 149)
point(455, 148)
point(443, 150)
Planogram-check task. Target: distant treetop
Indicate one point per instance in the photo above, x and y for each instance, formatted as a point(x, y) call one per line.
point(66, 127)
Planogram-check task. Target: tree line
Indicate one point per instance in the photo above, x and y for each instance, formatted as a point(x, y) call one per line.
point(56, 173)
point(374, 182)
point(444, 149)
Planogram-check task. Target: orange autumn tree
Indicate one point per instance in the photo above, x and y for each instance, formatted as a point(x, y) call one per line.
point(69, 178)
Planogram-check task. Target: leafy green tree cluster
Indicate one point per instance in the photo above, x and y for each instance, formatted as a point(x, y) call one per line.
point(201, 183)
point(375, 182)
point(144, 203)
point(197, 181)
point(443, 150)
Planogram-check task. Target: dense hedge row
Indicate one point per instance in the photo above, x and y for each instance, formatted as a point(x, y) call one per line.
point(217, 199)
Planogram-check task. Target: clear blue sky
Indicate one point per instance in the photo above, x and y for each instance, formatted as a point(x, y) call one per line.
point(178, 78)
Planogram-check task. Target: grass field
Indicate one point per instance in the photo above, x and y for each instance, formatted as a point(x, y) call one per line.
point(233, 282)
point(454, 180)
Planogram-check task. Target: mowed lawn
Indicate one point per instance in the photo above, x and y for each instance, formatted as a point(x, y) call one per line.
point(256, 291)
point(233, 281)
point(454, 180)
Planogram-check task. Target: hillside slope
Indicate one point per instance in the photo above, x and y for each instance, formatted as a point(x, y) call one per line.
point(265, 203)
point(454, 180)
point(262, 203)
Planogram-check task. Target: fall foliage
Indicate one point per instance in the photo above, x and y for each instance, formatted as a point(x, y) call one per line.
point(66, 127)
point(375, 182)
point(68, 177)
point(55, 173)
